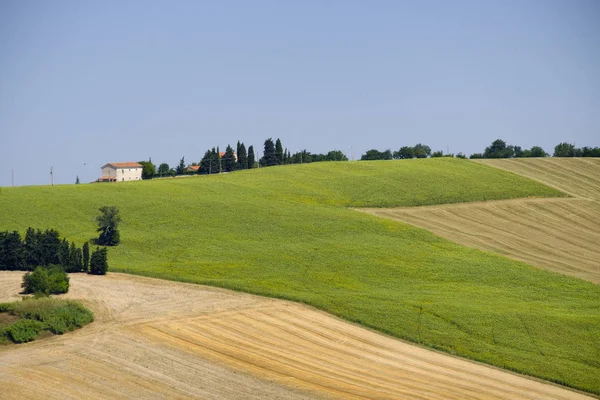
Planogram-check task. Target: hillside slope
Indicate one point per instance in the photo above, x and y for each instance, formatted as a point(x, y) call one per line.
point(561, 235)
point(286, 232)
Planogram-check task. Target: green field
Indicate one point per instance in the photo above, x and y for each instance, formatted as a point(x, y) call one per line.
point(287, 232)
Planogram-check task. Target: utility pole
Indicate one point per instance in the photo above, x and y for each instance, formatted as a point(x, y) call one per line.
point(52, 175)
point(13, 176)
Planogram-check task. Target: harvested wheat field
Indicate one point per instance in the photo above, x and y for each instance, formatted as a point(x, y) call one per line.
point(159, 339)
point(561, 235)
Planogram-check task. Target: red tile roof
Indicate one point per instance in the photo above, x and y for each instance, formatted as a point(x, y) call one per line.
point(124, 165)
point(194, 167)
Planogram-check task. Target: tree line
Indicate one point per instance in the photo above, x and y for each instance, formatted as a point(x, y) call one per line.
point(498, 149)
point(46, 249)
point(214, 161)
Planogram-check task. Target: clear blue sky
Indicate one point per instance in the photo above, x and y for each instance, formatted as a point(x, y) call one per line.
point(87, 82)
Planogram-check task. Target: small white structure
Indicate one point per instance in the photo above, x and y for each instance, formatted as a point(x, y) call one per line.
point(121, 172)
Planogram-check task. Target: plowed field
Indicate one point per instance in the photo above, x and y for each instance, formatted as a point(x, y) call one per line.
point(157, 339)
point(562, 235)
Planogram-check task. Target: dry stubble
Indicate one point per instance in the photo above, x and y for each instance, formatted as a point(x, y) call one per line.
point(157, 339)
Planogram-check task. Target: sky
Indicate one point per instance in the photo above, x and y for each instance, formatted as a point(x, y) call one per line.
point(84, 83)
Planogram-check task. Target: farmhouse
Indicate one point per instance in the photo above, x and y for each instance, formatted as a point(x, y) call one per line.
point(192, 168)
point(121, 172)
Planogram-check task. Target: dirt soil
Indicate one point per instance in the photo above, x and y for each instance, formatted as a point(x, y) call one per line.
point(156, 339)
point(561, 235)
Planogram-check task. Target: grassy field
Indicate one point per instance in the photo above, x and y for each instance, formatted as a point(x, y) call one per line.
point(286, 232)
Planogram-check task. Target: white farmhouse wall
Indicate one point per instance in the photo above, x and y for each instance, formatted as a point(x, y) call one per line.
point(122, 174)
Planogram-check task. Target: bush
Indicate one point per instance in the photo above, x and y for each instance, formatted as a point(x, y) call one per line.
point(24, 330)
point(46, 280)
point(39, 314)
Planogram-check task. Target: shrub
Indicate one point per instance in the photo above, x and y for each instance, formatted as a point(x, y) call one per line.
point(24, 330)
point(46, 280)
point(55, 315)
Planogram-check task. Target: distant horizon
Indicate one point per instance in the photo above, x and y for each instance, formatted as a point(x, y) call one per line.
point(83, 84)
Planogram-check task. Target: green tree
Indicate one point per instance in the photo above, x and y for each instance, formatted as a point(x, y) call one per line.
point(13, 255)
point(564, 150)
point(181, 167)
point(77, 180)
point(499, 149)
point(518, 152)
point(75, 259)
point(421, 151)
point(405, 152)
point(375, 154)
point(86, 256)
point(269, 157)
point(461, 155)
point(251, 157)
point(279, 151)
point(336, 155)
point(242, 161)
point(590, 151)
point(148, 169)
point(32, 248)
point(108, 223)
point(211, 162)
point(229, 162)
point(63, 254)
point(475, 156)
point(535, 151)
point(436, 154)
point(164, 169)
point(48, 246)
point(99, 261)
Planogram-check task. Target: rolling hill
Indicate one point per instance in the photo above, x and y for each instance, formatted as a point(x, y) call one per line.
point(287, 232)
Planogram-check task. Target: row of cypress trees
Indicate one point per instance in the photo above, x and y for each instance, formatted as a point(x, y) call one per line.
point(45, 248)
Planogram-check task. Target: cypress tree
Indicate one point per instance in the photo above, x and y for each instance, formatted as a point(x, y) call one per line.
point(269, 157)
point(251, 158)
point(75, 259)
point(49, 245)
point(229, 163)
point(181, 167)
point(279, 152)
point(242, 160)
point(63, 254)
point(98, 262)
point(32, 247)
point(13, 255)
point(86, 256)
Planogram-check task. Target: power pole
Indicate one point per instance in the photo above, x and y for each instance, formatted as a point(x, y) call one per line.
point(52, 175)
point(13, 176)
